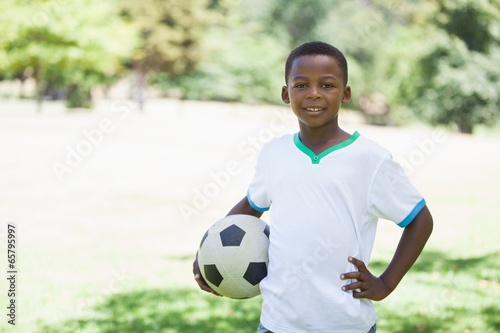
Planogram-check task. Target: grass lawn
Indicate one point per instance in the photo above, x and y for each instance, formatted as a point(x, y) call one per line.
point(107, 246)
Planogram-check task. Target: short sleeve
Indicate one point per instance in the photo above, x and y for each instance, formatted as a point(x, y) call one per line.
point(258, 194)
point(392, 196)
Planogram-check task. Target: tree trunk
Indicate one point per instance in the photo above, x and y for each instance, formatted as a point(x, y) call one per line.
point(39, 100)
point(22, 79)
point(465, 126)
point(78, 97)
point(140, 86)
point(39, 91)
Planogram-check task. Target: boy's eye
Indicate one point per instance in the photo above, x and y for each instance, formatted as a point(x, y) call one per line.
point(300, 85)
point(328, 85)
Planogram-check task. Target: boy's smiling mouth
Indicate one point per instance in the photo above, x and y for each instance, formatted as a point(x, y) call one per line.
point(314, 109)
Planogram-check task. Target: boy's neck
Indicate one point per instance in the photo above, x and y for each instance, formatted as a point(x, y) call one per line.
point(321, 138)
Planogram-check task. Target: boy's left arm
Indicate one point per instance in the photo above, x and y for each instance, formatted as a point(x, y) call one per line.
point(409, 248)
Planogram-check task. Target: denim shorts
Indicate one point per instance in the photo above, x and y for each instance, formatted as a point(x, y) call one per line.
point(262, 329)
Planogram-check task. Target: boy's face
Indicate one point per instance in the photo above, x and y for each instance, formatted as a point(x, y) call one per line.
point(316, 90)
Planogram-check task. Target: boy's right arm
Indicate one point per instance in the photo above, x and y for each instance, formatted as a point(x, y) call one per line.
point(242, 207)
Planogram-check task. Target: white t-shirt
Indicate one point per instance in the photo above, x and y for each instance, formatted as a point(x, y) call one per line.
point(324, 209)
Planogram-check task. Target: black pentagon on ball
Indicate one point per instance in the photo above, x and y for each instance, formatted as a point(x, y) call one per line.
point(266, 231)
point(213, 275)
point(232, 235)
point(255, 272)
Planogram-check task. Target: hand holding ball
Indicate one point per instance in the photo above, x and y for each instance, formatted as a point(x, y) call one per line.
point(233, 256)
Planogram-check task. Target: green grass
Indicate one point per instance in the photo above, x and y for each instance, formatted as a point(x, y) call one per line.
point(175, 310)
point(441, 294)
point(444, 294)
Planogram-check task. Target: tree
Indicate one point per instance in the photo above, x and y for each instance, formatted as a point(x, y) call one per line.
point(240, 61)
point(252, 72)
point(170, 32)
point(71, 46)
point(456, 77)
point(296, 21)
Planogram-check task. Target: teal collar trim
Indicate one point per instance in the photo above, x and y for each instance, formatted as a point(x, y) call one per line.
point(316, 158)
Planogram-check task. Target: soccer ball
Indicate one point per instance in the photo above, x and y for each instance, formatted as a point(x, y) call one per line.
point(233, 255)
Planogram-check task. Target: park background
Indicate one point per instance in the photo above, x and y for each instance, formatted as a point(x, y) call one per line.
point(128, 128)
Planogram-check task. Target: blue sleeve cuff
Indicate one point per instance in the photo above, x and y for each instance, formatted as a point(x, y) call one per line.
point(418, 207)
point(254, 206)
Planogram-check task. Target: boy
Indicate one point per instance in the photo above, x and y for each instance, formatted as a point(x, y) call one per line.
point(327, 189)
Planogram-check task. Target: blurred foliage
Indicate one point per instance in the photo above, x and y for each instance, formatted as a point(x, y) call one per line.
point(455, 77)
point(436, 60)
point(296, 21)
point(73, 45)
point(238, 66)
point(170, 33)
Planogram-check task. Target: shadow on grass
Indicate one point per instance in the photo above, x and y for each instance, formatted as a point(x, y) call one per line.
point(464, 304)
point(417, 324)
point(435, 261)
point(189, 310)
point(166, 311)
point(448, 319)
point(491, 316)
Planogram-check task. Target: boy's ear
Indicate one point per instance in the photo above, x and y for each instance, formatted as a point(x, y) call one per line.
point(347, 95)
point(284, 95)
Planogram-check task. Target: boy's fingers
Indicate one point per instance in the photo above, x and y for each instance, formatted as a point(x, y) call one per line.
point(354, 286)
point(360, 294)
point(350, 276)
point(358, 263)
point(203, 285)
point(196, 267)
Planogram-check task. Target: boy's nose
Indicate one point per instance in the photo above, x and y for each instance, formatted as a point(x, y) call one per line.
point(314, 93)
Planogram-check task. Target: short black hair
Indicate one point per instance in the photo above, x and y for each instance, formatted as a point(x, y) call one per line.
point(316, 48)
